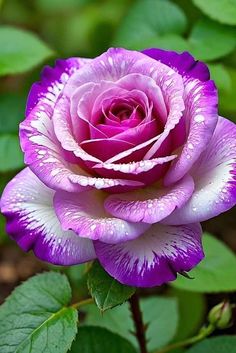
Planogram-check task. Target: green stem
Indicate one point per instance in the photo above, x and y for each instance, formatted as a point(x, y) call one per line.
point(204, 332)
point(82, 303)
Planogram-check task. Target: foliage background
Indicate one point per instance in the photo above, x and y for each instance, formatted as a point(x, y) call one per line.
point(36, 32)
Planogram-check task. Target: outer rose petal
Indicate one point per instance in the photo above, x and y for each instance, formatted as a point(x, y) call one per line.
point(183, 63)
point(150, 204)
point(215, 178)
point(155, 257)
point(31, 221)
point(53, 81)
point(201, 114)
point(84, 213)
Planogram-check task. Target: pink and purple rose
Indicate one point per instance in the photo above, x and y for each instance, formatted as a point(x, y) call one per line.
point(126, 155)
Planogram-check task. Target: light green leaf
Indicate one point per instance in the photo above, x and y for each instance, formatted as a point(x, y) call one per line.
point(35, 317)
point(11, 157)
point(150, 18)
point(106, 291)
point(118, 320)
point(168, 42)
point(20, 50)
point(12, 109)
point(210, 40)
point(221, 76)
point(216, 273)
point(220, 10)
point(221, 344)
point(57, 6)
point(161, 315)
point(191, 307)
point(100, 340)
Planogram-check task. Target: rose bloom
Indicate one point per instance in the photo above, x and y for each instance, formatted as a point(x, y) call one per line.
point(126, 154)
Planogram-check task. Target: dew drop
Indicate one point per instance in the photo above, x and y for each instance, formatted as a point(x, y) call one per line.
point(199, 118)
point(190, 146)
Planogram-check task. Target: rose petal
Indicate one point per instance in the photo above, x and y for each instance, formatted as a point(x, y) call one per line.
point(63, 130)
point(31, 221)
point(86, 216)
point(44, 155)
point(102, 149)
point(155, 257)
point(150, 204)
point(53, 81)
point(135, 167)
point(184, 63)
point(118, 64)
point(201, 114)
point(215, 178)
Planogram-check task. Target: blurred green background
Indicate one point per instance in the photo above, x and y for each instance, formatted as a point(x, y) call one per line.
point(36, 32)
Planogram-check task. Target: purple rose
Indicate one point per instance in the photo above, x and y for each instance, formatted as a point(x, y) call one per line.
point(126, 156)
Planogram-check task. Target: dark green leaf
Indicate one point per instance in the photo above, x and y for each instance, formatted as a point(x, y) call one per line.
point(12, 109)
point(216, 273)
point(35, 317)
point(221, 10)
point(106, 291)
point(150, 18)
point(191, 307)
point(222, 344)
point(221, 76)
point(20, 50)
point(227, 98)
point(100, 340)
point(77, 275)
point(161, 315)
point(210, 40)
point(11, 157)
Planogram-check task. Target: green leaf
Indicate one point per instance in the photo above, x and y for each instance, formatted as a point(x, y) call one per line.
point(20, 50)
point(220, 10)
point(3, 236)
point(221, 76)
point(161, 315)
point(12, 109)
point(4, 179)
point(77, 275)
point(11, 157)
point(227, 98)
point(106, 291)
point(150, 18)
point(35, 317)
point(168, 42)
point(210, 40)
point(216, 273)
point(100, 340)
point(57, 6)
point(118, 320)
point(221, 344)
point(191, 307)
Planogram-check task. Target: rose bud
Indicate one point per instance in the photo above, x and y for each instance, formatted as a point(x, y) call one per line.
point(220, 315)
